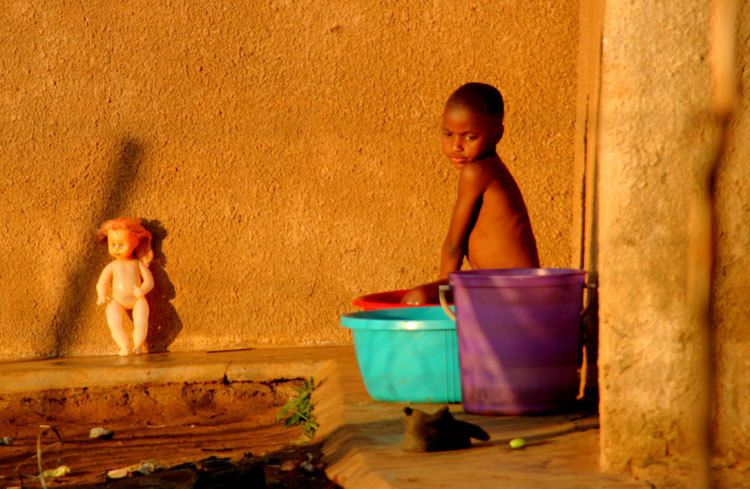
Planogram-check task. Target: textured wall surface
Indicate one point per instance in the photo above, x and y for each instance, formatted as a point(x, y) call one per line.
point(655, 136)
point(284, 153)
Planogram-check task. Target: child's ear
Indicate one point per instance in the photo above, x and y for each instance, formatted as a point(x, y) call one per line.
point(500, 132)
point(440, 414)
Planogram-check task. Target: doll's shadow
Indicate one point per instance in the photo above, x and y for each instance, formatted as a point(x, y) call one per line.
point(164, 324)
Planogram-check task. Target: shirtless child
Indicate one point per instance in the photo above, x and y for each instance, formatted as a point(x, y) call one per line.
point(490, 225)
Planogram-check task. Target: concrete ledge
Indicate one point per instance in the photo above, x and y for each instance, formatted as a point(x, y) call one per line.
point(105, 371)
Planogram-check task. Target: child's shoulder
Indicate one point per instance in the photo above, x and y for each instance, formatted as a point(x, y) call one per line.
point(481, 171)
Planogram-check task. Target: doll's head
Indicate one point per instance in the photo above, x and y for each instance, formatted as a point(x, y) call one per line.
point(128, 234)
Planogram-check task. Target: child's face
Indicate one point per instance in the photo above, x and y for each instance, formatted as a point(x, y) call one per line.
point(468, 136)
point(121, 244)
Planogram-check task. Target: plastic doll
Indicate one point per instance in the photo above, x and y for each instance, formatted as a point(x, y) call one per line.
point(128, 279)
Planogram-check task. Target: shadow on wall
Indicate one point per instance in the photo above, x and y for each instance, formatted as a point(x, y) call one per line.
point(164, 324)
point(81, 278)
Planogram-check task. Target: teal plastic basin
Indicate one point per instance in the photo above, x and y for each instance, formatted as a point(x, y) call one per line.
point(407, 354)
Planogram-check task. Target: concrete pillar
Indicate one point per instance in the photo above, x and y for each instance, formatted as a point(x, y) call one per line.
point(655, 134)
point(732, 287)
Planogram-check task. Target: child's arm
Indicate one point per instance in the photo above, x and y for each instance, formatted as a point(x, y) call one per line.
point(101, 285)
point(148, 281)
point(471, 185)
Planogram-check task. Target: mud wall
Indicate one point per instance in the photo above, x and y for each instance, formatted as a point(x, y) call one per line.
point(656, 136)
point(283, 153)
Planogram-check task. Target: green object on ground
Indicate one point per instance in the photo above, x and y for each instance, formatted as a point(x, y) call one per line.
point(517, 443)
point(58, 472)
point(299, 410)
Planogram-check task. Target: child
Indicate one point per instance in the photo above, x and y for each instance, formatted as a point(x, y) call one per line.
point(129, 243)
point(490, 225)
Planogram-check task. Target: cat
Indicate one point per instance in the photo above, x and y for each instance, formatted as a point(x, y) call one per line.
point(438, 431)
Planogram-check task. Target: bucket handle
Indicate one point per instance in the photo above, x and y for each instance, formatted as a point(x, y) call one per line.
point(588, 289)
point(442, 289)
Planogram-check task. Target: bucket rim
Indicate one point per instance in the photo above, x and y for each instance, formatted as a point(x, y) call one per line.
point(519, 277)
point(521, 273)
point(398, 319)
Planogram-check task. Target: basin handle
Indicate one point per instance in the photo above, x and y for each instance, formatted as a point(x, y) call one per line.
point(442, 289)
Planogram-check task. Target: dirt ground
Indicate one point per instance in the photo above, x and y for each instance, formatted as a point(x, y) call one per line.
point(202, 435)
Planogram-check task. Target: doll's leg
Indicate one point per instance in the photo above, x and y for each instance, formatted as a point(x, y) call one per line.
point(140, 325)
point(114, 319)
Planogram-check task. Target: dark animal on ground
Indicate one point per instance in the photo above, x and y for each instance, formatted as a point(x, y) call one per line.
point(438, 431)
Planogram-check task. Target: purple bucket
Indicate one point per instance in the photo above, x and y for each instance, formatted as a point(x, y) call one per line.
point(518, 338)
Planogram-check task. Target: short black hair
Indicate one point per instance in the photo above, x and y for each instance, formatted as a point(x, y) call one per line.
point(478, 97)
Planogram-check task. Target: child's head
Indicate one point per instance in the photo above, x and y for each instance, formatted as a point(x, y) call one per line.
point(472, 123)
point(126, 237)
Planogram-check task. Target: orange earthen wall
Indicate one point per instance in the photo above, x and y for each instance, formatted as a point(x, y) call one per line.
point(284, 152)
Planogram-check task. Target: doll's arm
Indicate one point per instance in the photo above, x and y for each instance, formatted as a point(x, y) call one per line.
point(148, 281)
point(105, 279)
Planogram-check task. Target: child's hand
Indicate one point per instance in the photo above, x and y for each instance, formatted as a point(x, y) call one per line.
point(138, 292)
point(101, 299)
point(416, 296)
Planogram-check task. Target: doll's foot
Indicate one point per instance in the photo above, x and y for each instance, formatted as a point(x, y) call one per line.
point(123, 352)
point(142, 350)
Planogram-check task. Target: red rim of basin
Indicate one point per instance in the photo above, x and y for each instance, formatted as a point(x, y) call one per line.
point(384, 300)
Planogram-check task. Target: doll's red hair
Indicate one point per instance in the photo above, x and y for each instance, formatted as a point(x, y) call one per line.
point(143, 251)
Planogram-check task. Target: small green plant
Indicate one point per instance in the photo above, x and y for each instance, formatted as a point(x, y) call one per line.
point(299, 410)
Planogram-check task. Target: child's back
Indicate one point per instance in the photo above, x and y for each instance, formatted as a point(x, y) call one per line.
point(490, 225)
point(501, 235)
